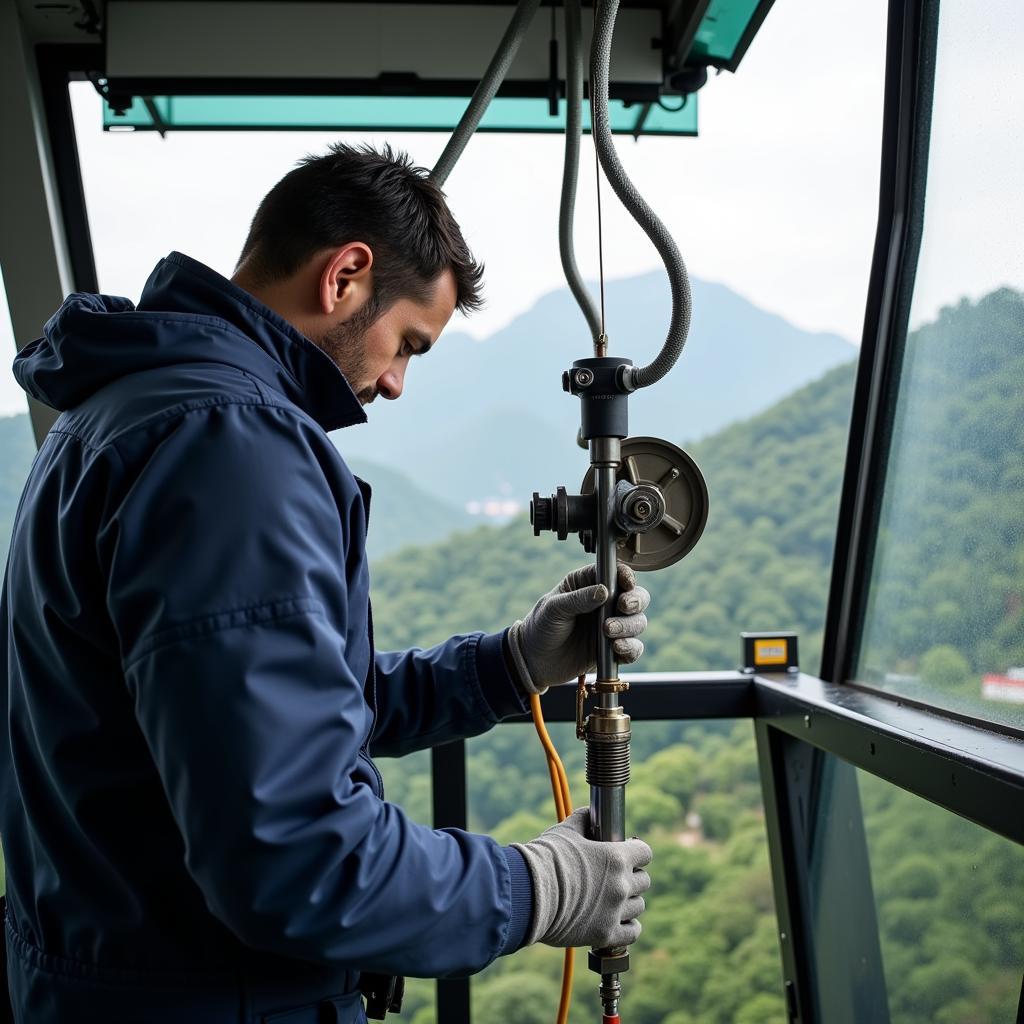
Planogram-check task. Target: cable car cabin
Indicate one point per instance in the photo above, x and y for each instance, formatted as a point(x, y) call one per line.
point(838, 833)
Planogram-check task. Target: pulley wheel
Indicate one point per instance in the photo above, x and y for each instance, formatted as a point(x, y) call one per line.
point(651, 461)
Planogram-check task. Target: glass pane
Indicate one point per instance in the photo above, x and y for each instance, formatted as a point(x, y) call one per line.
point(17, 446)
point(945, 618)
point(709, 948)
point(912, 917)
point(952, 932)
point(383, 113)
point(17, 443)
point(722, 28)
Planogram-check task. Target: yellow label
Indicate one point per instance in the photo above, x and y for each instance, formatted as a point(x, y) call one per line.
point(771, 652)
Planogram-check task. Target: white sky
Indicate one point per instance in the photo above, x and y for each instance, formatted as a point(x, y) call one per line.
point(777, 198)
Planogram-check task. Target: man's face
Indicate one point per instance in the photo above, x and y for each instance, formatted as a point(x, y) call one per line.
point(375, 356)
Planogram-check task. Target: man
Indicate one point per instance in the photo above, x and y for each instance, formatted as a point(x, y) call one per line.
point(193, 825)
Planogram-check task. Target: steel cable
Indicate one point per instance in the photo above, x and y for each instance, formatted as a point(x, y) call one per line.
point(600, 59)
point(485, 90)
point(570, 170)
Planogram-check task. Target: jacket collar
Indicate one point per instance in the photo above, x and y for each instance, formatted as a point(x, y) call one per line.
point(290, 362)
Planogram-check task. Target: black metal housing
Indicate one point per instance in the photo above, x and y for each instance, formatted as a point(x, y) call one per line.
point(604, 403)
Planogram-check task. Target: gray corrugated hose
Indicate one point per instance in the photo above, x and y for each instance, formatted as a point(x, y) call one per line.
point(570, 171)
point(484, 92)
point(600, 58)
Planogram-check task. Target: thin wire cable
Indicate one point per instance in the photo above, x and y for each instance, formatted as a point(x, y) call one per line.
point(563, 808)
point(600, 233)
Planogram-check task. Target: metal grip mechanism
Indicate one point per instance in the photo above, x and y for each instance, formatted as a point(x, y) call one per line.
point(643, 501)
point(603, 517)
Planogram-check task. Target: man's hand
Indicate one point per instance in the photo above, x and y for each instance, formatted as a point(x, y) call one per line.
point(585, 893)
point(555, 643)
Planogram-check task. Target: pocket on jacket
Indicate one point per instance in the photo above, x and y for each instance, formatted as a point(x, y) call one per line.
point(340, 1010)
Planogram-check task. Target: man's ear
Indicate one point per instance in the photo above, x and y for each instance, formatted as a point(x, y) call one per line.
point(345, 277)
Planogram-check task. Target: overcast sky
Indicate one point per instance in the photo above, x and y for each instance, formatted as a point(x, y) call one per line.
point(777, 198)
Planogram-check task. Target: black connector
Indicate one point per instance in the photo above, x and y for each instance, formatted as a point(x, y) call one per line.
point(598, 384)
point(563, 513)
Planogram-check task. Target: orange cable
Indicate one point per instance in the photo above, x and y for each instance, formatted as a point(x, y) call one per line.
point(563, 808)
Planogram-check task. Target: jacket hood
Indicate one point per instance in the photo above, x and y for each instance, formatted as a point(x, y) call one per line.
point(188, 313)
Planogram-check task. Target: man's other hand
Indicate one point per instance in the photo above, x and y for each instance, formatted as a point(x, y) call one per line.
point(585, 893)
point(555, 643)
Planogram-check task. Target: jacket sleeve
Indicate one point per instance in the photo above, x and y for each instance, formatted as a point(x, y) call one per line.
point(226, 566)
point(457, 689)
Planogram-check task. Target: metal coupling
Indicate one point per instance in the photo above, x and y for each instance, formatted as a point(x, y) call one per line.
point(607, 734)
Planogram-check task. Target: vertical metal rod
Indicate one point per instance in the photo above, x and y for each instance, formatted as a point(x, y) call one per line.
point(607, 803)
point(607, 669)
point(608, 812)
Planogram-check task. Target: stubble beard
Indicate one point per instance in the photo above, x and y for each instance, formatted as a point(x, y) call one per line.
point(345, 345)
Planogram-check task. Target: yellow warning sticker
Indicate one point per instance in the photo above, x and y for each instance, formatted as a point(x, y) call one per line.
point(771, 652)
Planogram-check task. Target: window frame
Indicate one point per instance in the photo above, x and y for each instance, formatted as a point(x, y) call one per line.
point(912, 37)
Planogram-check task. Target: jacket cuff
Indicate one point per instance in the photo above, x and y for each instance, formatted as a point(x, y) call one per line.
point(500, 690)
point(522, 901)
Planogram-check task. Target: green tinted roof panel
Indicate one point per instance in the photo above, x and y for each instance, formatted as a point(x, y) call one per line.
point(725, 32)
point(381, 113)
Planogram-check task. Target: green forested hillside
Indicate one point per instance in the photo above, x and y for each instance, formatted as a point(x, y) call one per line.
point(947, 600)
point(948, 894)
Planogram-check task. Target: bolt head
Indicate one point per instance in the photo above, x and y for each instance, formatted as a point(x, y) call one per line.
point(600, 962)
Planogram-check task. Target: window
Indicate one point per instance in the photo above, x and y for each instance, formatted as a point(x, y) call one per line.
point(945, 617)
point(709, 938)
point(952, 938)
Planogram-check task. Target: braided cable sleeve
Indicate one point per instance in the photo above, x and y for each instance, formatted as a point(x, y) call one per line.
point(485, 90)
point(570, 170)
point(600, 58)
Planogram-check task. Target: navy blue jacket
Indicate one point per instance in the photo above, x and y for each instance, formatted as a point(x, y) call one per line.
point(192, 824)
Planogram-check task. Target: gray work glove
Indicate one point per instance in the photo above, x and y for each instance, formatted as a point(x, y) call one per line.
point(585, 893)
point(556, 642)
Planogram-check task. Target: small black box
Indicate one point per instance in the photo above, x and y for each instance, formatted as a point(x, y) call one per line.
point(770, 652)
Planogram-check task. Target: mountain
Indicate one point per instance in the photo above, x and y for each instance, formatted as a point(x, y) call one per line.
point(483, 419)
point(401, 514)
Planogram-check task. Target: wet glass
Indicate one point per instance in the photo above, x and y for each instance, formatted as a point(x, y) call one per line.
point(950, 924)
point(945, 616)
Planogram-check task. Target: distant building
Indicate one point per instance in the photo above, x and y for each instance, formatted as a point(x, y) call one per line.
point(1008, 687)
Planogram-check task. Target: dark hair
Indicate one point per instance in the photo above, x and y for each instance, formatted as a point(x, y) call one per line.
point(357, 193)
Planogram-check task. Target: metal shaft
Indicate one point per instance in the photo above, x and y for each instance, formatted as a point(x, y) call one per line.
point(605, 456)
point(607, 731)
